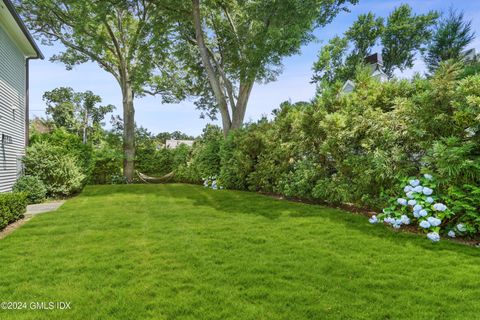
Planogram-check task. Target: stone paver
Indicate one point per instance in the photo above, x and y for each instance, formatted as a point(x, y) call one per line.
point(34, 209)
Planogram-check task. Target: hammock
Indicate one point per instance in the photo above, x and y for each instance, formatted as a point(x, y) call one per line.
point(148, 179)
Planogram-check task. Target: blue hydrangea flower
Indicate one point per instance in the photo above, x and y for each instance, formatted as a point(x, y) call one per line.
point(402, 201)
point(412, 202)
point(461, 227)
point(416, 214)
point(389, 220)
point(428, 176)
point(407, 189)
point(439, 207)
point(373, 219)
point(423, 213)
point(417, 207)
point(427, 191)
point(435, 237)
point(425, 224)
point(410, 194)
point(451, 234)
point(435, 222)
point(418, 189)
point(405, 219)
point(429, 200)
point(414, 182)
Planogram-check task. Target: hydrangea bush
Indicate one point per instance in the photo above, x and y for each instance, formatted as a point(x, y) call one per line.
point(211, 182)
point(419, 205)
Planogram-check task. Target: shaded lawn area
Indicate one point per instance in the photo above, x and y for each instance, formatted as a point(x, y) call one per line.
point(185, 252)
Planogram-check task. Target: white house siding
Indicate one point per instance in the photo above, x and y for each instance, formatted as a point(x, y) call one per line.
point(12, 122)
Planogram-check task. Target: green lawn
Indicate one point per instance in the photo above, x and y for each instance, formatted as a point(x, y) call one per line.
point(185, 252)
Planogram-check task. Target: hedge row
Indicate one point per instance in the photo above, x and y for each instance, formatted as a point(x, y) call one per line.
point(12, 207)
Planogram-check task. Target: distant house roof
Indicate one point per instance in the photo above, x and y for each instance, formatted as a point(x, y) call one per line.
point(348, 86)
point(10, 19)
point(172, 144)
point(375, 58)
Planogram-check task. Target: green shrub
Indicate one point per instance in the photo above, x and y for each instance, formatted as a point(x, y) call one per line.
point(12, 207)
point(70, 144)
point(107, 165)
point(59, 171)
point(33, 187)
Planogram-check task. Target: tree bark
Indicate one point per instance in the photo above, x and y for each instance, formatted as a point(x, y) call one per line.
point(212, 76)
point(241, 106)
point(128, 132)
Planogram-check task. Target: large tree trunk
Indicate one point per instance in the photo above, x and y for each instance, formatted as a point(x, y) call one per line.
point(239, 113)
point(128, 132)
point(211, 74)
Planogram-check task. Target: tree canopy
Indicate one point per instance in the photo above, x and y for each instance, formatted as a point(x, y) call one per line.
point(122, 36)
point(78, 112)
point(452, 35)
point(227, 46)
point(399, 38)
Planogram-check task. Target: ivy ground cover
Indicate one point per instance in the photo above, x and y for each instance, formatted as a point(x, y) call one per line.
point(188, 252)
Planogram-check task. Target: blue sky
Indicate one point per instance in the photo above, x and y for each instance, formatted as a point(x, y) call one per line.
point(292, 85)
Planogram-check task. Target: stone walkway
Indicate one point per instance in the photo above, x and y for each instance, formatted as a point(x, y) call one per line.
point(35, 209)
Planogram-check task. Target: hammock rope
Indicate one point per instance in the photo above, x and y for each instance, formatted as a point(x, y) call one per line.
point(148, 179)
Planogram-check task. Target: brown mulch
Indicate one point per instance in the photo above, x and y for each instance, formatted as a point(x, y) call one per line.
point(13, 226)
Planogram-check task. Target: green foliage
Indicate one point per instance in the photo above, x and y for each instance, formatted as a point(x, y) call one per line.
point(60, 172)
point(70, 144)
point(405, 34)
point(400, 37)
point(355, 148)
point(12, 207)
point(107, 165)
point(77, 112)
point(33, 187)
point(451, 36)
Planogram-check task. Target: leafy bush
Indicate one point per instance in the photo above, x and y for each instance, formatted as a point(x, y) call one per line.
point(33, 187)
point(12, 207)
point(59, 171)
point(70, 144)
point(355, 148)
point(420, 205)
point(107, 165)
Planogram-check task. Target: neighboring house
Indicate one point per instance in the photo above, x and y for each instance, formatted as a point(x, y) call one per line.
point(470, 55)
point(172, 144)
point(375, 63)
point(16, 48)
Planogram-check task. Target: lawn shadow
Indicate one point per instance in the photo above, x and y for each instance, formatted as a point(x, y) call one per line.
point(242, 202)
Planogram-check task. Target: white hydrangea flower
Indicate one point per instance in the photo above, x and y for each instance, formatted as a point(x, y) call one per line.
point(428, 176)
point(451, 234)
point(373, 219)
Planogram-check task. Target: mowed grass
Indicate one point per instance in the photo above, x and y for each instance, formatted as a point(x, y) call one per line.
point(185, 252)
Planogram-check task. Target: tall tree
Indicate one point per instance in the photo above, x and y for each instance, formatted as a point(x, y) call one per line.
point(234, 43)
point(400, 38)
point(451, 36)
point(77, 112)
point(405, 35)
point(120, 36)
